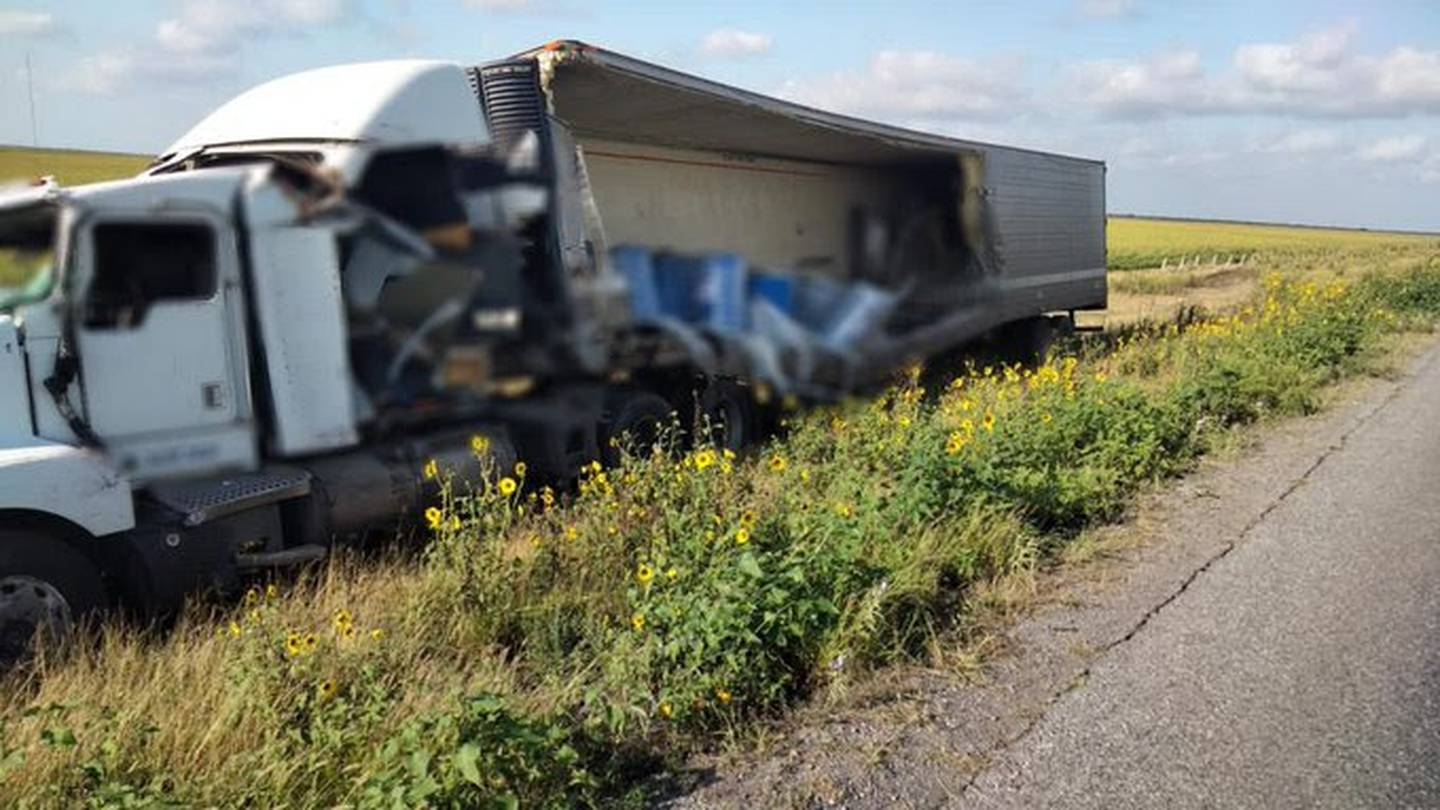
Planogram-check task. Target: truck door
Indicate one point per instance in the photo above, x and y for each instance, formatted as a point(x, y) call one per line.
point(161, 347)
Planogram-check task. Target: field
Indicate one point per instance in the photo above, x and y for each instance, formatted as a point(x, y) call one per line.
point(561, 649)
point(1141, 243)
point(69, 167)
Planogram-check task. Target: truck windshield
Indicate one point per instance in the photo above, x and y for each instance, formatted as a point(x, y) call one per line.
point(27, 255)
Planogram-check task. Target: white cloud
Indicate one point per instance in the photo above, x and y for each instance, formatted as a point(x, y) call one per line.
point(1430, 169)
point(919, 86)
point(729, 43)
point(202, 41)
point(1303, 142)
point(15, 23)
point(1394, 149)
point(1107, 8)
point(1319, 75)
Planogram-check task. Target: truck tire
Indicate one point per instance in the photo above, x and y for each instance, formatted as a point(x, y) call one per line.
point(1027, 341)
point(725, 408)
point(635, 419)
point(45, 587)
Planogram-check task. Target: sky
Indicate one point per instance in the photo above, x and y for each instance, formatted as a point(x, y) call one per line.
point(1324, 112)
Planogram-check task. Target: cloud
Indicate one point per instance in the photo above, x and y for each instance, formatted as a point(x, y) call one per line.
point(1319, 75)
point(15, 23)
point(203, 41)
point(1394, 149)
point(919, 86)
point(731, 43)
point(1107, 8)
point(1303, 142)
point(1430, 169)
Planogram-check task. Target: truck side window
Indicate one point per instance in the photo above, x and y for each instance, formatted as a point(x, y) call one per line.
point(138, 265)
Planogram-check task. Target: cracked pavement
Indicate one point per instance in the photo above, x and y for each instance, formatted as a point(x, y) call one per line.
point(1274, 643)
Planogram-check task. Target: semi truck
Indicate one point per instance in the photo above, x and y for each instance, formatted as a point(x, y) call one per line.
point(249, 352)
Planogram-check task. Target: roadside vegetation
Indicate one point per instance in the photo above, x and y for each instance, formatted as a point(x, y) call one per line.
point(553, 650)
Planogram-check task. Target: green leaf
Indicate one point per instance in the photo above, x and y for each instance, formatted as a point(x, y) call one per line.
point(750, 566)
point(467, 761)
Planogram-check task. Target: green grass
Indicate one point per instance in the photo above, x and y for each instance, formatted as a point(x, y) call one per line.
point(69, 167)
point(555, 653)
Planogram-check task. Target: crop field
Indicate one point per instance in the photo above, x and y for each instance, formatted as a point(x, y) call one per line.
point(69, 167)
point(558, 649)
point(1141, 243)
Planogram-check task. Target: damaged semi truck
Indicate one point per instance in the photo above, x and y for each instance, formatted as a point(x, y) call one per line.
point(250, 351)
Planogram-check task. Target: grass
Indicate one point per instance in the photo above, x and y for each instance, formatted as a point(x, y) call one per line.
point(69, 167)
point(1139, 243)
point(554, 651)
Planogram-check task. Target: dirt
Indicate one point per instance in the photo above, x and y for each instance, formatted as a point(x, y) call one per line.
point(918, 737)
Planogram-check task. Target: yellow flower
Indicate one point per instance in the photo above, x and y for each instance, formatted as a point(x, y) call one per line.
point(1101, 376)
point(252, 597)
point(253, 616)
point(294, 645)
point(666, 711)
point(644, 574)
point(724, 696)
point(520, 469)
point(377, 634)
point(904, 421)
point(479, 445)
point(777, 464)
point(844, 510)
point(508, 486)
point(235, 630)
point(347, 632)
point(572, 534)
point(956, 443)
point(742, 536)
point(672, 574)
point(1045, 418)
point(271, 592)
point(747, 519)
point(804, 476)
point(704, 459)
point(434, 517)
point(343, 619)
point(728, 454)
point(432, 470)
point(638, 622)
point(547, 497)
point(327, 690)
point(989, 422)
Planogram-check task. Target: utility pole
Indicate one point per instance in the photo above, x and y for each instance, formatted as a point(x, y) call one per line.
point(30, 89)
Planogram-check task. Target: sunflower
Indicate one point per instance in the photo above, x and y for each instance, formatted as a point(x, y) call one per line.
point(432, 470)
point(638, 622)
point(479, 445)
point(742, 536)
point(508, 486)
point(434, 517)
point(644, 574)
point(777, 464)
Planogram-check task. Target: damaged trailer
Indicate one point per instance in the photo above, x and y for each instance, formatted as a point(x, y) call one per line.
point(251, 351)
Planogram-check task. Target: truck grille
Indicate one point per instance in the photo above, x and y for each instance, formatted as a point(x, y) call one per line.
point(510, 95)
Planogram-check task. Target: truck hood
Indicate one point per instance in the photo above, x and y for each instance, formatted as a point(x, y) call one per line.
point(402, 101)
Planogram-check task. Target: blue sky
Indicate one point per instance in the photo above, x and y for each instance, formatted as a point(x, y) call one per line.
point(1321, 111)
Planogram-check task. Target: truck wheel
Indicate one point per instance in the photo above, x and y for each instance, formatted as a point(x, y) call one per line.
point(1027, 341)
point(45, 587)
point(633, 419)
point(726, 410)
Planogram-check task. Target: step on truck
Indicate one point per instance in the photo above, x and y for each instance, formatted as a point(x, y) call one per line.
point(247, 353)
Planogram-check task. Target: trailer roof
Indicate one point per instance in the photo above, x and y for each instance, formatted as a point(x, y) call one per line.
point(600, 88)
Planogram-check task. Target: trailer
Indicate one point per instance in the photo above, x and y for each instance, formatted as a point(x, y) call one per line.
point(249, 353)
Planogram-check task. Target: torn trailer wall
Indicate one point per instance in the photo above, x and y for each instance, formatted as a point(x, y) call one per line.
point(960, 237)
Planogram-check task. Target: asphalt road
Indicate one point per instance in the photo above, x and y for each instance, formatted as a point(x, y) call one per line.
point(1299, 669)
